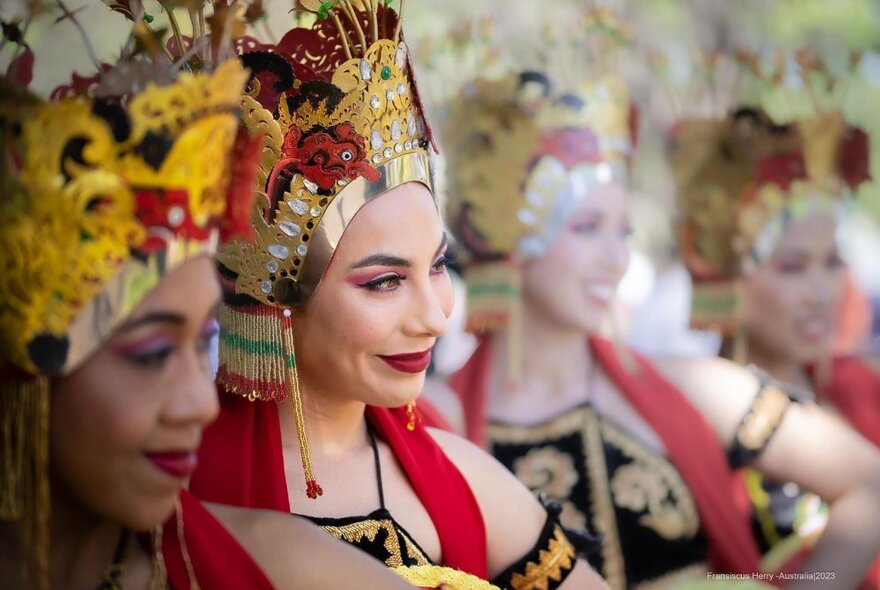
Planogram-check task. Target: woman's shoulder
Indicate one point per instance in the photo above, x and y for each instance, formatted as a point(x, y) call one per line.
point(512, 515)
point(719, 389)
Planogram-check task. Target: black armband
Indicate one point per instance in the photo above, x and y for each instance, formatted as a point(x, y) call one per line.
point(552, 558)
point(760, 422)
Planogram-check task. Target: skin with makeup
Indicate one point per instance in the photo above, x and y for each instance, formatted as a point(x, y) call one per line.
point(567, 294)
point(365, 337)
point(792, 298)
point(150, 389)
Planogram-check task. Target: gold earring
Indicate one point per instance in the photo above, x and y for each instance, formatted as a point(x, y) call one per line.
point(412, 417)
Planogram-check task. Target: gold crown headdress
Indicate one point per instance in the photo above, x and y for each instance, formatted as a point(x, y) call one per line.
point(345, 127)
point(99, 199)
point(524, 147)
point(740, 176)
point(343, 124)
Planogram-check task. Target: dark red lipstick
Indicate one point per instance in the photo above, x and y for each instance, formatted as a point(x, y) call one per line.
point(175, 463)
point(413, 362)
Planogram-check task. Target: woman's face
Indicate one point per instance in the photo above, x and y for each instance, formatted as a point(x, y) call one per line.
point(125, 426)
point(791, 299)
point(574, 284)
point(367, 331)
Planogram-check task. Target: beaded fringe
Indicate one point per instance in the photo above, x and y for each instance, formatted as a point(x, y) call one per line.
point(258, 361)
point(494, 301)
point(24, 460)
point(253, 362)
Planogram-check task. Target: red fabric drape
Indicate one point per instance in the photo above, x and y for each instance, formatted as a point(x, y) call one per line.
point(690, 444)
point(692, 447)
point(241, 463)
point(240, 460)
point(471, 384)
point(854, 389)
point(441, 488)
point(217, 559)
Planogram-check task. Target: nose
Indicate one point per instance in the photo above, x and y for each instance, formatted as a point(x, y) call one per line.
point(615, 254)
point(825, 287)
point(193, 399)
point(431, 307)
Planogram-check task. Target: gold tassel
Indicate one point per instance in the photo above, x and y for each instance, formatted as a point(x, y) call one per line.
point(159, 578)
point(514, 345)
point(740, 336)
point(313, 488)
point(24, 463)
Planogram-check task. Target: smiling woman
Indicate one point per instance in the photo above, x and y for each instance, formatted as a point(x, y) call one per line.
point(332, 313)
point(110, 213)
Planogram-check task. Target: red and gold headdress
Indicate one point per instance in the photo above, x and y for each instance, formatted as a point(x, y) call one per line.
point(343, 123)
point(740, 177)
point(523, 148)
point(101, 196)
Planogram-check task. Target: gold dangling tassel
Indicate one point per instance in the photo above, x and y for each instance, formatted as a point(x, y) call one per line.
point(313, 488)
point(24, 468)
point(184, 550)
point(740, 336)
point(159, 579)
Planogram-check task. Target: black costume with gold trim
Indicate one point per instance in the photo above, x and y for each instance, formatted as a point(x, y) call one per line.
point(546, 566)
point(609, 482)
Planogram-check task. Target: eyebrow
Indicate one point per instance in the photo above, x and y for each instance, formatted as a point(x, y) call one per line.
point(389, 260)
point(158, 317)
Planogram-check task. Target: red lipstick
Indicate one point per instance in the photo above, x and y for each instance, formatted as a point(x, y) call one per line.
point(414, 362)
point(175, 463)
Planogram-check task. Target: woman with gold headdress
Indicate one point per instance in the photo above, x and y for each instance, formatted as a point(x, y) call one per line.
point(761, 204)
point(330, 316)
point(635, 449)
point(110, 213)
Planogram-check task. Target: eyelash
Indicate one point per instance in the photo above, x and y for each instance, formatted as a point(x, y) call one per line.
point(389, 283)
point(590, 227)
point(376, 284)
point(442, 263)
point(156, 359)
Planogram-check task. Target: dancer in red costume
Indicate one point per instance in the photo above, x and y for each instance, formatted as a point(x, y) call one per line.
point(109, 298)
point(639, 450)
point(330, 317)
point(778, 265)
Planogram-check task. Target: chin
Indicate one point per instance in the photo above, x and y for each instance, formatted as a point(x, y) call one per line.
point(589, 325)
point(394, 395)
point(808, 355)
point(148, 513)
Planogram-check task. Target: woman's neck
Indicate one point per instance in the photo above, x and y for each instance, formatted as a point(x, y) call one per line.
point(82, 544)
point(335, 428)
point(782, 369)
point(555, 361)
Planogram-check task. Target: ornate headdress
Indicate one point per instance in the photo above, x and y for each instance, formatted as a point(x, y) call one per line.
point(741, 177)
point(523, 149)
point(343, 124)
point(99, 199)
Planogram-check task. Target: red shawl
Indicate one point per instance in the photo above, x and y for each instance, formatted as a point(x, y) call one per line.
point(690, 443)
point(241, 463)
point(854, 389)
point(218, 561)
